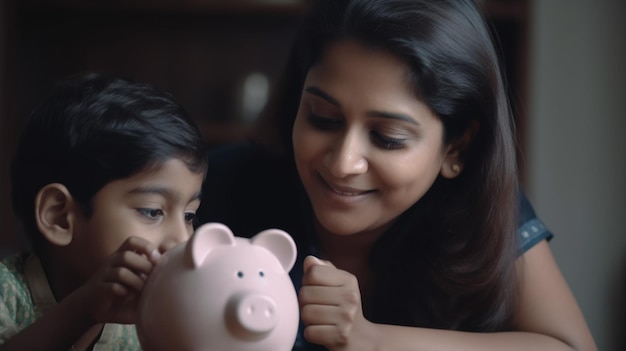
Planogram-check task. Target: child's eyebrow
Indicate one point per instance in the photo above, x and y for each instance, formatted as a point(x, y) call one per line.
point(163, 191)
point(151, 190)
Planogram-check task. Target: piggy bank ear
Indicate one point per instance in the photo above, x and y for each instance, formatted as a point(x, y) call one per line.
point(280, 244)
point(205, 239)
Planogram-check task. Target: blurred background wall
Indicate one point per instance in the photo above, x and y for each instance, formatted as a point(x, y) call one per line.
point(576, 151)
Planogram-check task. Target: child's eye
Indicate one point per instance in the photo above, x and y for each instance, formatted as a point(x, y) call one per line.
point(152, 213)
point(324, 123)
point(190, 217)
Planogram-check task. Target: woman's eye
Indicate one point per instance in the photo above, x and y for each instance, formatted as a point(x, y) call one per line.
point(152, 213)
point(190, 217)
point(324, 123)
point(387, 142)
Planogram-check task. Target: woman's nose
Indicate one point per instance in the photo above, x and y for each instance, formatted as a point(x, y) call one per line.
point(347, 156)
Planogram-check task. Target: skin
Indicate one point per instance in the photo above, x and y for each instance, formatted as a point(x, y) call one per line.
point(366, 149)
point(98, 264)
point(362, 166)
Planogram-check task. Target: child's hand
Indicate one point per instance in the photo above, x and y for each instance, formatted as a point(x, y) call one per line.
point(111, 295)
point(330, 307)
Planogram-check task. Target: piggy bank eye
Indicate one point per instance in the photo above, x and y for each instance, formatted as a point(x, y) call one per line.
point(261, 274)
point(239, 274)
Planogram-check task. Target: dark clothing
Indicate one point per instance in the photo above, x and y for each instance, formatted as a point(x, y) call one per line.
point(530, 228)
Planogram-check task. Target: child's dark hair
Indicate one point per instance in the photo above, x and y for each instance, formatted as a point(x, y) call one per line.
point(94, 129)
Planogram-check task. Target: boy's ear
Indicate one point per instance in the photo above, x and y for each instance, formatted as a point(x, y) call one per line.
point(55, 213)
point(454, 157)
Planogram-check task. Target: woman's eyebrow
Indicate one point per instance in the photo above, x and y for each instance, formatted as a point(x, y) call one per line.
point(320, 93)
point(393, 115)
point(377, 114)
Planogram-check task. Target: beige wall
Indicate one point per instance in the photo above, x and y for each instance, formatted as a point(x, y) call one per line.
point(577, 151)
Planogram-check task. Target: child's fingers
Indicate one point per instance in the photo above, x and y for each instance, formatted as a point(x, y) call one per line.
point(131, 264)
point(123, 280)
point(142, 247)
point(133, 261)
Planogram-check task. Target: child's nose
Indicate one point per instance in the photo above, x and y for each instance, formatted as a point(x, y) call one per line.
point(178, 231)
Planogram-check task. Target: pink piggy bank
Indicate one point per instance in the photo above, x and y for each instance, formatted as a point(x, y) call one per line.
point(221, 292)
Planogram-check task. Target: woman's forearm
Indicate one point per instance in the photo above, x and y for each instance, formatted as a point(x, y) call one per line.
point(397, 338)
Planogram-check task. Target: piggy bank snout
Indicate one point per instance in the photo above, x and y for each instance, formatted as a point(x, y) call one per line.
point(251, 316)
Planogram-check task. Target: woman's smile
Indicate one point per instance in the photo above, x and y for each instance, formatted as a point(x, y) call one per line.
point(365, 146)
point(336, 189)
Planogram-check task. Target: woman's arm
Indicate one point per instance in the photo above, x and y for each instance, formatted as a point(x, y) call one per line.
point(549, 317)
point(547, 304)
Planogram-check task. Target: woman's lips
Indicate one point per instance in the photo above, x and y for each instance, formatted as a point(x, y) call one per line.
point(344, 190)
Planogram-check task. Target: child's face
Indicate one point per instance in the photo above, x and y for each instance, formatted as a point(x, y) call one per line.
point(159, 206)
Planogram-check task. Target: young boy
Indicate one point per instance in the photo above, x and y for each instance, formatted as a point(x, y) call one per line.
point(106, 177)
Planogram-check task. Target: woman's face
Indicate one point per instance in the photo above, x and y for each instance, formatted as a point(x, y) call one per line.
point(365, 146)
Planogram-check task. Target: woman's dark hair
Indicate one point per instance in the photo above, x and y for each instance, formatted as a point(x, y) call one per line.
point(448, 262)
point(94, 129)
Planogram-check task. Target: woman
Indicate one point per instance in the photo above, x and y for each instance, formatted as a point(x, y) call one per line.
point(389, 154)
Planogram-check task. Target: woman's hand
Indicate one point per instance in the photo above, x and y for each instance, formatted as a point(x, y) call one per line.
point(330, 307)
point(112, 294)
